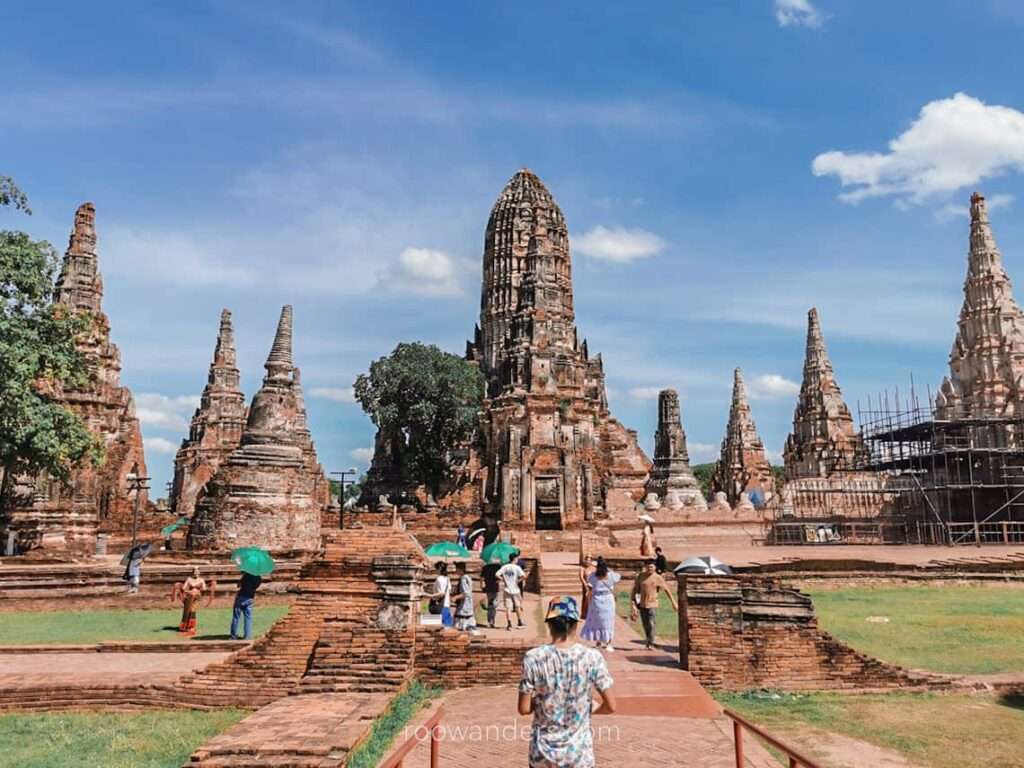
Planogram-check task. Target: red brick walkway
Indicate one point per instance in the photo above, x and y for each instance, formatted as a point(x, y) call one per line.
point(664, 718)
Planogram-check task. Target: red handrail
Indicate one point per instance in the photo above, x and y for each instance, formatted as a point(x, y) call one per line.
point(739, 723)
point(399, 755)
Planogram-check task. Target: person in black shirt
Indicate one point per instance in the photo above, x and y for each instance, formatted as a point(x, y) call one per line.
point(490, 577)
point(244, 599)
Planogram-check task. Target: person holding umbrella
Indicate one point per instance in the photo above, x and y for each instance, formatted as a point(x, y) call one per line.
point(254, 563)
point(133, 562)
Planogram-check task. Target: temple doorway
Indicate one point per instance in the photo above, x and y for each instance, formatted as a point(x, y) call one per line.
point(548, 503)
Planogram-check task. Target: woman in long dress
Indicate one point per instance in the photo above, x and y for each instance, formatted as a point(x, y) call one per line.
point(600, 625)
point(190, 592)
point(585, 570)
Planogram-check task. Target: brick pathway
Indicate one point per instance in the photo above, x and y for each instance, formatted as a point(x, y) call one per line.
point(664, 718)
point(35, 670)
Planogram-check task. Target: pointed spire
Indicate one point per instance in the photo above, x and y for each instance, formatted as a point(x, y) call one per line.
point(79, 285)
point(739, 391)
point(743, 466)
point(224, 352)
point(279, 363)
point(816, 353)
point(987, 357)
point(982, 239)
point(823, 437)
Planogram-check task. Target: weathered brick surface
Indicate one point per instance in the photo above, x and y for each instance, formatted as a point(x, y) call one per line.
point(98, 498)
point(216, 428)
point(458, 660)
point(740, 633)
point(270, 491)
point(743, 466)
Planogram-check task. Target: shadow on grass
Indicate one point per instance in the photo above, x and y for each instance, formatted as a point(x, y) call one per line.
point(1013, 700)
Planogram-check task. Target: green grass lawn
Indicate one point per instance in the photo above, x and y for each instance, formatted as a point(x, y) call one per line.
point(667, 625)
point(939, 731)
point(162, 739)
point(95, 626)
point(956, 629)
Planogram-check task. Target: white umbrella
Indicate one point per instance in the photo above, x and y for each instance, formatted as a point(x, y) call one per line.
point(705, 565)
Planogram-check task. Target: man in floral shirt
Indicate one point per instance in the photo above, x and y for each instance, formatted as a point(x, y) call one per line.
point(557, 688)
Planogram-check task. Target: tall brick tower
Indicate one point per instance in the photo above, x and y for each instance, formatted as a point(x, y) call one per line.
point(96, 497)
point(216, 427)
point(554, 455)
point(986, 363)
point(823, 438)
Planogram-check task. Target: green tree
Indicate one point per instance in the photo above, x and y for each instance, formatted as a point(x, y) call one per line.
point(703, 473)
point(426, 403)
point(38, 357)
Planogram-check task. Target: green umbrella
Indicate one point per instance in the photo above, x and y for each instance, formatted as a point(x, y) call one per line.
point(446, 549)
point(169, 529)
point(253, 560)
point(497, 553)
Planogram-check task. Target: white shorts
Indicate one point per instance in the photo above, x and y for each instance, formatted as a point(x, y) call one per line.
point(513, 602)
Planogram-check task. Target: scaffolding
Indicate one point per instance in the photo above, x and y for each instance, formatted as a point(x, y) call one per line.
point(963, 473)
point(945, 479)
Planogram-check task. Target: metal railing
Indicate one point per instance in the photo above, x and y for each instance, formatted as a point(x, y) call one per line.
point(796, 760)
point(432, 726)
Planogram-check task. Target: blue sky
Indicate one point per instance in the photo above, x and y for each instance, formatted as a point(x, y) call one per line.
point(723, 167)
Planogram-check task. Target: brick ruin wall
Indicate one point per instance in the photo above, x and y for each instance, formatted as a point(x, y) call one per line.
point(742, 633)
point(453, 659)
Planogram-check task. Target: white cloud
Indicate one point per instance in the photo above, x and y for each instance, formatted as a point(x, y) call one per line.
point(952, 211)
point(771, 386)
point(645, 393)
point(362, 455)
point(798, 13)
point(163, 412)
point(160, 445)
point(424, 272)
point(337, 394)
point(702, 453)
point(618, 244)
point(954, 143)
point(172, 257)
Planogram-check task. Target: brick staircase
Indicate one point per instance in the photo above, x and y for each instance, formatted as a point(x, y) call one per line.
point(560, 581)
point(41, 582)
point(350, 657)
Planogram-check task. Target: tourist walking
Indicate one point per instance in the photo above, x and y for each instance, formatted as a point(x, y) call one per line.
point(460, 536)
point(512, 579)
point(644, 599)
point(489, 574)
point(441, 597)
point(245, 598)
point(585, 570)
point(465, 618)
point(599, 627)
point(557, 688)
point(647, 541)
point(190, 592)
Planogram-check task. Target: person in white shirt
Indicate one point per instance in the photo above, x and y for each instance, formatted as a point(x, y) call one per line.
point(441, 597)
point(512, 577)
